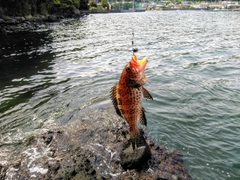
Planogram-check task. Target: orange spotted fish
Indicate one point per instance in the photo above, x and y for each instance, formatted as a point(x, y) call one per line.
point(126, 96)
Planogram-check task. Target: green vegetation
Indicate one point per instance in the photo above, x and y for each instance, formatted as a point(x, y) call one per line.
point(179, 2)
point(105, 4)
point(187, 7)
point(93, 5)
point(167, 3)
point(42, 7)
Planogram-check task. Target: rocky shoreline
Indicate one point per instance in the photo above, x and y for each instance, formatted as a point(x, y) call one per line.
point(24, 24)
point(89, 147)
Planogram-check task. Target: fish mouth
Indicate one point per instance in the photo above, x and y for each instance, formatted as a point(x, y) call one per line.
point(139, 64)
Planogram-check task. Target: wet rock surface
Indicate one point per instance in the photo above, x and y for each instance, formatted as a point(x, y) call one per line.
point(131, 158)
point(89, 147)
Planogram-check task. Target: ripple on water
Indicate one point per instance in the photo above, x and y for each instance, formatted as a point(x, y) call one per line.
point(193, 76)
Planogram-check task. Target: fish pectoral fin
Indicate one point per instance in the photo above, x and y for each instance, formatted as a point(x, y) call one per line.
point(133, 83)
point(146, 94)
point(143, 119)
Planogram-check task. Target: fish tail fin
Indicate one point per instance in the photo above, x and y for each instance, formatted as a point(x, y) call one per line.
point(136, 139)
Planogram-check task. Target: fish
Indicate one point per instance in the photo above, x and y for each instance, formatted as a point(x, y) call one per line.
point(126, 96)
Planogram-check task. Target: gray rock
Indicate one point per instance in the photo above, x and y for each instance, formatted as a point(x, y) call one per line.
point(29, 17)
point(12, 21)
point(20, 19)
point(136, 158)
point(89, 147)
point(52, 18)
point(2, 21)
point(76, 12)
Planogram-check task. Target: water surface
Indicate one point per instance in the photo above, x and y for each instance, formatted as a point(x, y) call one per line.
point(193, 75)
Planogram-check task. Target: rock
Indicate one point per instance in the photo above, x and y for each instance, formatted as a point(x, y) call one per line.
point(135, 158)
point(92, 146)
point(11, 25)
point(12, 21)
point(43, 18)
point(28, 17)
point(2, 21)
point(76, 12)
point(20, 19)
point(52, 18)
point(3, 30)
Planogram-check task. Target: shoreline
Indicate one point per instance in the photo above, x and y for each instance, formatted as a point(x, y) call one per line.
point(199, 9)
point(29, 23)
point(24, 24)
point(111, 11)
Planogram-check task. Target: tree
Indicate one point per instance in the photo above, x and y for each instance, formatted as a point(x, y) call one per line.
point(34, 7)
point(92, 5)
point(179, 2)
point(167, 3)
point(83, 5)
point(105, 4)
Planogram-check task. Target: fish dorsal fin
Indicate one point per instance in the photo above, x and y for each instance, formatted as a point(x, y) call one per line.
point(146, 94)
point(143, 119)
point(115, 100)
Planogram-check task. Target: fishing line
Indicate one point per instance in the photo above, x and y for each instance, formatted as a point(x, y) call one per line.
point(133, 49)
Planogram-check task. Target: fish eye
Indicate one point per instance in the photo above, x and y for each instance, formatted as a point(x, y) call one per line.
point(128, 68)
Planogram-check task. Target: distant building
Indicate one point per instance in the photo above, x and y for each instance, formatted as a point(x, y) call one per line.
point(197, 6)
point(221, 5)
point(215, 6)
point(204, 5)
point(230, 5)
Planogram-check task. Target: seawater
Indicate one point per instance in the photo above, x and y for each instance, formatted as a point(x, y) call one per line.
point(193, 75)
